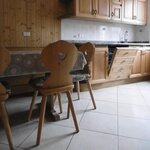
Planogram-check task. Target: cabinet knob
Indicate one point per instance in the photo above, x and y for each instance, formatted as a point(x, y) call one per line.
point(93, 12)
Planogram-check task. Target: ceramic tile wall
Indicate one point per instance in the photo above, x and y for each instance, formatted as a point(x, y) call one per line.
point(73, 29)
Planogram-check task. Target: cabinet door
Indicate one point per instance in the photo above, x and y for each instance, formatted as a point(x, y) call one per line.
point(84, 8)
point(128, 11)
point(141, 11)
point(103, 9)
point(116, 13)
point(99, 65)
point(136, 70)
point(145, 63)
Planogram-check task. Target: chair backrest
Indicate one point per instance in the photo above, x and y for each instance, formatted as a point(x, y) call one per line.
point(4, 62)
point(59, 58)
point(88, 49)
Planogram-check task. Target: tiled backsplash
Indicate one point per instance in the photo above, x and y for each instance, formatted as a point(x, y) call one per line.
point(73, 29)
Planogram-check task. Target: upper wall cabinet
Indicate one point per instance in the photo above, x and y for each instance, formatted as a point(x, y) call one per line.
point(128, 11)
point(91, 8)
point(141, 11)
point(116, 10)
point(134, 11)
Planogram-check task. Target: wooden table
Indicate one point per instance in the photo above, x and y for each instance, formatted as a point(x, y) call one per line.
point(25, 63)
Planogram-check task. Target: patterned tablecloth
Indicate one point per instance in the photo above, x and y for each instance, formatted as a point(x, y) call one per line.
point(28, 62)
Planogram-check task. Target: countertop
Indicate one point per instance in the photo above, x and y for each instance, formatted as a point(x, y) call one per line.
point(112, 43)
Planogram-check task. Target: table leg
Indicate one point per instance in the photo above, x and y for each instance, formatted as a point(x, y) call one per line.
point(50, 111)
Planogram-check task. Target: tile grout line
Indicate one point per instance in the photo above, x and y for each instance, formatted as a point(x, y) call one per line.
point(117, 119)
point(19, 146)
point(79, 124)
point(143, 97)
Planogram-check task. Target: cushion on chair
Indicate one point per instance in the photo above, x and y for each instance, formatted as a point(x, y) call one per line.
point(81, 75)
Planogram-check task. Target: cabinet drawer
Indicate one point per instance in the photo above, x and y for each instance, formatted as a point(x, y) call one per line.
point(125, 53)
point(119, 76)
point(123, 61)
point(121, 69)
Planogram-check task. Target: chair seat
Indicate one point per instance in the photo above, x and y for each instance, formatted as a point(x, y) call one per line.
point(48, 91)
point(80, 75)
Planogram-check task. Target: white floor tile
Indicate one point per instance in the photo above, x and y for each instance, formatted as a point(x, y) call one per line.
point(79, 106)
point(86, 140)
point(133, 144)
point(134, 111)
point(134, 128)
point(19, 133)
point(99, 122)
point(53, 138)
point(98, 128)
point(130, 99)
point(104, 107)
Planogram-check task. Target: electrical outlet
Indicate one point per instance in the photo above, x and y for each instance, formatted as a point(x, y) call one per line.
point(26, 33)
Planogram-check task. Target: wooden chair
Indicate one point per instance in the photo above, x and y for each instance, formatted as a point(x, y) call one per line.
point(88, 49)
point(59, 58)
point(4, 61)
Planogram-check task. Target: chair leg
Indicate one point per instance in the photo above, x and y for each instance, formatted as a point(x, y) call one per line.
point(91, 94)
point(72, 110)
point(78, 89)
point(5, 121)
point(41, 119)
point(68, 111)
point(59, 101)
point(32, 104)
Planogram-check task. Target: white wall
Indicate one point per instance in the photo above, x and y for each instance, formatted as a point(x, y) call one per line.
point(95, 31)
point(142, 33)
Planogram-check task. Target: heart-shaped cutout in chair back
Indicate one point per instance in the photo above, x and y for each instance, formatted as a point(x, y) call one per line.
point(61, 56)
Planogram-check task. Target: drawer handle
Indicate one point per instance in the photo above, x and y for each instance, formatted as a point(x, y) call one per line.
point(118, 76)
point(123, 62)
point(126, 53)
point(120, 69)
point(93, 12)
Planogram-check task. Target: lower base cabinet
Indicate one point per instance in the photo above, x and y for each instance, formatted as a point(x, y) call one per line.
point(141, 66)
point(121, 63)
point(99, 65)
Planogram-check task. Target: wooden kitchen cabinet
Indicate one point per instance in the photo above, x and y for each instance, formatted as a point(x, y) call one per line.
point(84, 8)
point(103, 9)
point(122, 63)
point(128, 11)
point(141, 12)
point(145, 67)
point(128, 7)
point(141, 66)
point(136, 69)
point(99, 9)
point(116, 10)
point(99, 65)
point(134, 11)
